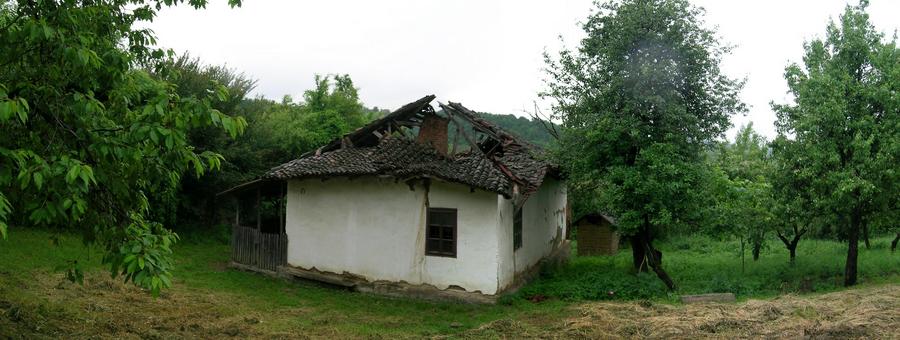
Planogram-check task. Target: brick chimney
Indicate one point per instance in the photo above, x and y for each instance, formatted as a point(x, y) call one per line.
point(433, 131)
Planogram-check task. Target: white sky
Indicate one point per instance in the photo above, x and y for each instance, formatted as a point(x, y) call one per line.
point(485, 54)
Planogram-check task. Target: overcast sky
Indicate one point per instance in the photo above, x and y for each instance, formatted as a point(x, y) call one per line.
point(485, 54)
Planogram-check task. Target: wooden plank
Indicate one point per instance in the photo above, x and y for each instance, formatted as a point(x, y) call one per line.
point(334, 279)
point(256, 237)
point(714, 297)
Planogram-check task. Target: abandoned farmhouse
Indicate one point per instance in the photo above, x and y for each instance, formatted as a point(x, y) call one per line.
point(397, 207)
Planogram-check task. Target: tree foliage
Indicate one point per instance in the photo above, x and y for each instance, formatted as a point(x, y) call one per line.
point(841, 133)
point(91, 130)
point(195, 198)
point(277, 133)
point(327, 111)
point(741, 188)
point(640, 99)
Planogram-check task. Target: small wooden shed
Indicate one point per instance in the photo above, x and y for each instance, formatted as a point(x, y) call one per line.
point(596, 235)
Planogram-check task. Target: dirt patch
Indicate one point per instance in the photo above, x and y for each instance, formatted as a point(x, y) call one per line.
point(855, 314)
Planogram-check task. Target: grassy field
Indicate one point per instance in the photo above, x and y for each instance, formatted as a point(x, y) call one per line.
point(701, 265)
point(210, 301)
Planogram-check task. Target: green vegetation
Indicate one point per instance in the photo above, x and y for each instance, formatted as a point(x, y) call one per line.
point(842, 131)
point(92, 134)
point(704, 265)
point(741, 201)
point(110, 138)
point(277, 133)
point(640, 100)
point(210, 300)
point(35, 301)
point(533, 130)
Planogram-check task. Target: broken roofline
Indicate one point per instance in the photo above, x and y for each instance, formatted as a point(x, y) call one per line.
point(511, 158)
point(411, 115)
point(408, 115)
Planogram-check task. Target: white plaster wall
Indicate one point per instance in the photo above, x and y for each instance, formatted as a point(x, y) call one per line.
point(507, 267)
point(375, 228)
point(475, 265)
point(543, 229)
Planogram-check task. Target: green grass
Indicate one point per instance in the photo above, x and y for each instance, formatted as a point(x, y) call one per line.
point(698, 265)
point(197, 269)
point(201, 269)
point(702, 265)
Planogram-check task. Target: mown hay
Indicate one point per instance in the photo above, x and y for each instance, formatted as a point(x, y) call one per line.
point(854, 314)
point(113, 309)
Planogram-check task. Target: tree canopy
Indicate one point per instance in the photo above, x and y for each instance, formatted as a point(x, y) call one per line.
point(639, 100)
point(92, 130)
point(741, 188)
point(841, 133)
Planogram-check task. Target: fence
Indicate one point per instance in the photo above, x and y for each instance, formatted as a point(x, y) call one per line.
point(253, 248)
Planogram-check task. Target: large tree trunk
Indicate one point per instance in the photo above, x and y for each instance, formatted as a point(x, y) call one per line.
point(757, 247)
point(894, 242)
point(852, 250)
point(652, 256)
point(791, 244)
point(638, 255)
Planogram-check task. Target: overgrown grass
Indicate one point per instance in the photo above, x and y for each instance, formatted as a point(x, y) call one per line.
point(702, 265)
point(201, 270)
point(33, 298)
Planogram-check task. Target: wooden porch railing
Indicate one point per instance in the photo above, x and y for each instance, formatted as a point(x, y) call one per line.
point(253, 248)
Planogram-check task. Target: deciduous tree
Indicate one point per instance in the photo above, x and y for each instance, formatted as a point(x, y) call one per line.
point(640, 99)
point(90, 131)
point(745, 193)
point(844, 125)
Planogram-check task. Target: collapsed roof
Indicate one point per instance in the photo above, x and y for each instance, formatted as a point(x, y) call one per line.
point(496, 160)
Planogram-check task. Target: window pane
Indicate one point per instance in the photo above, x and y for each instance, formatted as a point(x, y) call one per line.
point(441, 216)
point(440, 232)
point(447, 233)
point(432, 246)
point(447, 247)
point(434, 232)
point(437, 218)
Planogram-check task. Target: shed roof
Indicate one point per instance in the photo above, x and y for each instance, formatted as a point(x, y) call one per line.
point(596, 218)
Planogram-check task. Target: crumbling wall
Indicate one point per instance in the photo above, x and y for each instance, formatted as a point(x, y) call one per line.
point(543, 230)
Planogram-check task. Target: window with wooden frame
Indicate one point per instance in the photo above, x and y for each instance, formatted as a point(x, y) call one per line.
point(517, 229)
point(440, 234)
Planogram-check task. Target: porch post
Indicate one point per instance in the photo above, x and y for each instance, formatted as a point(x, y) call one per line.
point(258, 208)
point(281, 207)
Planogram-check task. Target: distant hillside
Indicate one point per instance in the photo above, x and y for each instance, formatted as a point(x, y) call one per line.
point(530, 130)
point(533, 131)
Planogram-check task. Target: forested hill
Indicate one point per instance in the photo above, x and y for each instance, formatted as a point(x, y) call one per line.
point(532, 130)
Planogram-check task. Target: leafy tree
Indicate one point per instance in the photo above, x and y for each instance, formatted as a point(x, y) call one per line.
point(328, 111)
point(640, 100)
point(794, 206)
point(277, 133)
point(89, 135)
point(194, 203)
point(745, 194)
point(843, 126)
